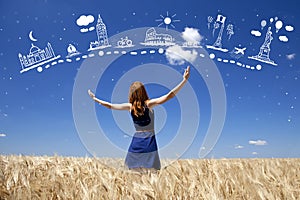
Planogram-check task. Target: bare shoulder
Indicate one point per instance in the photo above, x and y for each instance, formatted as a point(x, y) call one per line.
point(150, 103)
point(128, 106)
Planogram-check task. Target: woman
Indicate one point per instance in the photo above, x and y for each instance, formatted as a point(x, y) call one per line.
point(142, 152)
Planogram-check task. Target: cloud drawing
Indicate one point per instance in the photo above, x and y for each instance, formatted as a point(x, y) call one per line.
point(256, 33)
point(85, 20)
point(283, 38)
point(289, 28)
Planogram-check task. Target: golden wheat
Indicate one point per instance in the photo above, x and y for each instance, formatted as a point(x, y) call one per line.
point(33, 177)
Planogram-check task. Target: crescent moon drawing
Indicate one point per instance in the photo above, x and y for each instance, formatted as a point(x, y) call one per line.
point(31, 37)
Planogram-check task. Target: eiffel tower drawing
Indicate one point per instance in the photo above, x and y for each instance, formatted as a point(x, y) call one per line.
point(218, 43)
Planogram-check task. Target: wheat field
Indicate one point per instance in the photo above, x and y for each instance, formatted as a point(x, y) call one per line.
point(56, 177)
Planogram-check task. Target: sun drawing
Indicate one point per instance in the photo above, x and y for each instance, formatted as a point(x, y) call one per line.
point(167, 20)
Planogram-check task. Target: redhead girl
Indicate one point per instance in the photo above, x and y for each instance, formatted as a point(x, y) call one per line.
point(143, 151)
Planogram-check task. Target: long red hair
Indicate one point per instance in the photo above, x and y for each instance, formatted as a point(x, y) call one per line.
point(137, 97)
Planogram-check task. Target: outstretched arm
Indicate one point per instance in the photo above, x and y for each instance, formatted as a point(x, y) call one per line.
point(122, 106)
point(173, 92)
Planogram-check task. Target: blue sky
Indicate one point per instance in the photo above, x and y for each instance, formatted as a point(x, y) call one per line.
point(262, 103)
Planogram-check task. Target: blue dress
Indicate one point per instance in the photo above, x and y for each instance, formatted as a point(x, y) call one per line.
point(143, 150)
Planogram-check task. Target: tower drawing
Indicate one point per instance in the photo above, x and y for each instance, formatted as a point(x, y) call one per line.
point(101, 32)
point(102, 39)
point(264, 52)
point(218, 42)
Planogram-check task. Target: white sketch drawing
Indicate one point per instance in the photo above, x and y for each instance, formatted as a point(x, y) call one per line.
point(255, 33)
point(33, 39)
point(167, 20)
point(230, 31)
point(263, 23)
point(72, 51)
point(265, 49)
point(84, 21)
point(218, 43)
point(283, 38)
point(157, 39)
point(37, 57)
point(209, 21)
point(278, 25)
point(289, 28)
point(238, 52)
point(216, 26)
point(102, 37)
point(124, 43)
point(264, 53)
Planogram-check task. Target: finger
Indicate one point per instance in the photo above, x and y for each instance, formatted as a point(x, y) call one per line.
point(91, 93)
point(187, 71)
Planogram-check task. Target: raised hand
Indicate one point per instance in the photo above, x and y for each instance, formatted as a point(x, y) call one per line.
point(92, 95)
point(186, 74)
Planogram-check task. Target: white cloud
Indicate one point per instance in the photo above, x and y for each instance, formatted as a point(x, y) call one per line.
point(191, 35)
point(2, 135)
point(176, 55)
point(254, 153)
point(291, 56)
point(256, 33)
point(258, 142)
point(283, 38)
point(85, 20)
point(239, 147)
point(289, 28)
point(84, 30)
point(91, 28)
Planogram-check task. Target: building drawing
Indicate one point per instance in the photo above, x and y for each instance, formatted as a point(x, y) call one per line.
point(72, 51)
point(102, 41)
point(264, 52)
point(37, 57)
point(154, 39)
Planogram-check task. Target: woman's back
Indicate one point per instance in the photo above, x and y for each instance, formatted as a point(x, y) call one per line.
point(144, 122)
